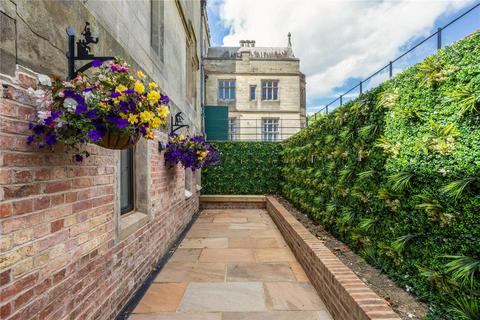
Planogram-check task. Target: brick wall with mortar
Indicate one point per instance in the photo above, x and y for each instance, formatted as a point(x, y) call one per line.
point(65, 252)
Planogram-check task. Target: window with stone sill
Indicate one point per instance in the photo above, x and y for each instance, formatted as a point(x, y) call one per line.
point(133, 189)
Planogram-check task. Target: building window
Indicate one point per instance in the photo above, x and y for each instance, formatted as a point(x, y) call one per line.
point(253, 93)
point(226, 89)
point(232, 128)
point(270, 90)
point(126, 181)
point(156, 26)
point(270, 129)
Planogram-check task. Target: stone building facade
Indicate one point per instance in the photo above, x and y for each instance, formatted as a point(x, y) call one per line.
point(66, 251)
point(263, 88)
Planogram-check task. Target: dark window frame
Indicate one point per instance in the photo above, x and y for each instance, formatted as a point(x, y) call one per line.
point(127, 181)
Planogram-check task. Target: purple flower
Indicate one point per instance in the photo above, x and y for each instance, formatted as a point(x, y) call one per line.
point(91, 114)
point(164, 99)
point(129, 91)
point(94, 134)
point(50, 139)
point(123, 106)
point(115, 94)
point(121, 123)
point(53, 116)
point(88, 89)
point(38, 129)
point(30, 139)
point(68, 93)
point(78, 158)
point(97, 63)
point(81, 108)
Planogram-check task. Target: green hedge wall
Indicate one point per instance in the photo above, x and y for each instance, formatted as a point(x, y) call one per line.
point(245, 168)
point(396, 175)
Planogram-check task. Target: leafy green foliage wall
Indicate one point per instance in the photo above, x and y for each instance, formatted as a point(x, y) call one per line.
point(396, 175)
point(245, 168)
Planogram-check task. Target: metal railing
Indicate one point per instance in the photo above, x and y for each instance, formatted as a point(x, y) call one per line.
point(434, 41)
point(261, 129)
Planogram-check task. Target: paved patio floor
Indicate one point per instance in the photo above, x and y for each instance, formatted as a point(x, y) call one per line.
point(233, 265)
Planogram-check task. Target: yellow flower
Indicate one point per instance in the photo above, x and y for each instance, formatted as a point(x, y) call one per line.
point(139, 87)
point(140, 74)
point(163, 112)
point(152, 86)
point(120, 88)
point(132, 118)
point(145, 116)
point(153, 97)
point(181, 137)
point(123, 115)
point(104, 105)
point(149, 134)
point(155, 123)
point(202, 154)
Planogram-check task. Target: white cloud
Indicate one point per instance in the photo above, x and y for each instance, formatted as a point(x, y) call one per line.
point(335, 39)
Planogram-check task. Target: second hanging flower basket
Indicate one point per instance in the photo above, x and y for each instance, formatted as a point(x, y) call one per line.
point(112, 107)
point(192, 152)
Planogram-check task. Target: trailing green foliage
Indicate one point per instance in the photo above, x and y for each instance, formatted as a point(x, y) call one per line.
point(396, 176)
point(245, 168)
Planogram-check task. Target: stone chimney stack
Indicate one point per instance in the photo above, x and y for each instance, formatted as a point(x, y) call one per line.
point(247, 43)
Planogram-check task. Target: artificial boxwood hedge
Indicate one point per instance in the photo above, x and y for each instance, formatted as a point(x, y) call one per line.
point(396, 175)
point(245, 168)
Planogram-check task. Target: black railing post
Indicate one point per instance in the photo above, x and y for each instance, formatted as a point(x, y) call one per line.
point(326, 108)
point(341, 100)
point(71, 53)
point(439, 38)
point(390, 69)
point(361, 88)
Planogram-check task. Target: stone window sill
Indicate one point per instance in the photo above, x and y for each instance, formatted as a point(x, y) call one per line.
point(131, 222)
point(188, 194)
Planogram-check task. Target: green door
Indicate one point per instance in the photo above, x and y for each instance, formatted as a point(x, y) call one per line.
point(216, 123)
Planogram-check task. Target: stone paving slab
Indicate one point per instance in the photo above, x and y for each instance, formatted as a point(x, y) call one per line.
point(229, 296)
point(232, 265)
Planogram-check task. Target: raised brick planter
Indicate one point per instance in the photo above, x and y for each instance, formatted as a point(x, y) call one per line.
point(232, 202)
point(345, 295)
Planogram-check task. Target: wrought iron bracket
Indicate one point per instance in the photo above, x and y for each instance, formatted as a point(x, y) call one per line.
point(178, 124)
point(83, 50)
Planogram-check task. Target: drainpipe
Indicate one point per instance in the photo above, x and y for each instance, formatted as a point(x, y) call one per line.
point(203, 4)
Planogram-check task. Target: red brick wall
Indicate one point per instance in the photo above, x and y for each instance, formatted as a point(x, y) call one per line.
point(59, 253)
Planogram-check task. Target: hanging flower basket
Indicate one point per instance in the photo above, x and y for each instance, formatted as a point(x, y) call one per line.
point(192, 152)
point(112, 107)
point(115, 141)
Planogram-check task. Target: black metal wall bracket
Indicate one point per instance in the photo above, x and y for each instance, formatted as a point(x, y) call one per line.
point(178, 124)
point(83, 50)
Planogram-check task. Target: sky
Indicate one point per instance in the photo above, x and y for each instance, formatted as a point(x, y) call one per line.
point(341, 42)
